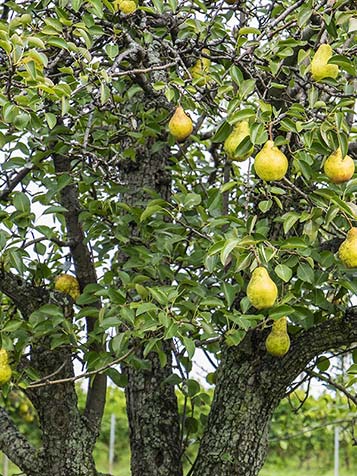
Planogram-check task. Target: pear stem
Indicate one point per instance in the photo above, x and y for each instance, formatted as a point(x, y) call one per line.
point(256, 254)
point(270, 130)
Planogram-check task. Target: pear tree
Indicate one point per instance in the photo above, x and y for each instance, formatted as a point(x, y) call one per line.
point(166, 168)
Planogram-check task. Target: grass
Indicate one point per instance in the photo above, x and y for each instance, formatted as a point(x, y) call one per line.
point(122, 467)
point(274, 471)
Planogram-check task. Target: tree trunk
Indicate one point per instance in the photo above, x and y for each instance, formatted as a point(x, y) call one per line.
point(153, 420)
point(236, 441)
point(151, 403)
point(250, 385)
point(67, 438)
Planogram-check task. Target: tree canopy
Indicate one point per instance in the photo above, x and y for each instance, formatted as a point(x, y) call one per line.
point(163, 236)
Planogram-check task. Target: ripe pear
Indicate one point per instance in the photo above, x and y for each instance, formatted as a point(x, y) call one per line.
point(125, 6)
point(270, 163)
point(240, 131)
point(23, 408)
point(180, 125)
point(4, 357)
point(261, 290)
point(68, 284)
point(278, 341)
point(339, 169)
point(5, 369)
point(200, 70)
point(320, 68)
point(347, 251)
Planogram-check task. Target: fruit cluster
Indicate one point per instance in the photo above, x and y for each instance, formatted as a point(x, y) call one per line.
point(271, 164)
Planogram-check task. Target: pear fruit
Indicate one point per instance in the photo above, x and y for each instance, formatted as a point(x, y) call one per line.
point(261, 290)
point(239, 132)
point(125, 6)
point(320, 68)
point(347, 251)
point(180, 125)
point(5, 369)
point(68, 284)
point(339, 169)
point(278, 341)
point(270, 163)
point(4, 357)
point(200, 70)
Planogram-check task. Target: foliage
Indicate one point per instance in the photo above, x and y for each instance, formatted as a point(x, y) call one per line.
point(83, 83)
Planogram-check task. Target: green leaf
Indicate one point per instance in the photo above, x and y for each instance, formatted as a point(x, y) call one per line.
point(284, 272)
point(51, 119)
point(289, 220)
point(145, 307)
point(192, 387)
point(191, 200)
point(323, 364)
point(229, 293)
point(189, 346)
point(21, 202)
point(248, 30)
point(149, 211)
point(265, 205)
point(58, 42)
point(246, 87)
point(119, 379)
point(280, 311)
point(221, 134)
point(305, 273)
point(228, 248)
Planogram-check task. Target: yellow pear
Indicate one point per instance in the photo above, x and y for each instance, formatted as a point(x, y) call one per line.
point(200, 70)
point(320, 68)
point(28, 418)
point(125, 6)
point(261, 290)
point(180, 125)
point(278, 342)
point(24, 408)
point(347, 251)
point(5, 369)
point(68, 284)
point(4, 357)
point(270, 163)
point(339, 169)
point(240, 131)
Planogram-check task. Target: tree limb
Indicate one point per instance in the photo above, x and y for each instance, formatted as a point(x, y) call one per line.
point(27, 298)
point(86, 274)
point(328, 379)
point(17, 448)
point(4, 195)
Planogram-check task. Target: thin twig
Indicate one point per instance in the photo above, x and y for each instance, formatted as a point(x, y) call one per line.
point(39, 383)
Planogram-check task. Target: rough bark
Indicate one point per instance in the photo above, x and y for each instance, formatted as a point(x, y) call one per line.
point(151, 403)
point(250, 385)
point(153, 420)
point(17, 448)
point(67, 438)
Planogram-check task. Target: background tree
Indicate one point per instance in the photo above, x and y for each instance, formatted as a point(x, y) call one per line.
point(164, 236)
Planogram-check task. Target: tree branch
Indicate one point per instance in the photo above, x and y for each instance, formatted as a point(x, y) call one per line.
point(328, 335)
point(86, 274)
point(328, 379)
point(14, 182)
point(45, 381)
point(26, 297)
point(17, 448)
